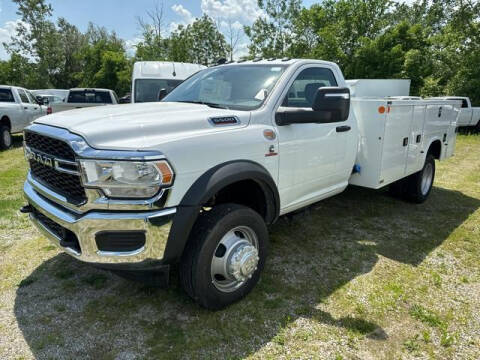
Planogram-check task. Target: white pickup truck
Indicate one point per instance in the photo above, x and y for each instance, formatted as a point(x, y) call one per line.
point(196, 179)
point(18, 108)
point(469, 116)
point(83, 97)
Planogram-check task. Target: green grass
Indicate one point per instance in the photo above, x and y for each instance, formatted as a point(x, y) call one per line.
point(360, 275)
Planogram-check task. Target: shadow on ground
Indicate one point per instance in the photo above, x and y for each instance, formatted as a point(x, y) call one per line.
point(67, 309)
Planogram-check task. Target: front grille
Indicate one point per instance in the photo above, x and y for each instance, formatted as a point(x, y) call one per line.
point(67, 185)
point(50, 146)
point(64, 184)
point(67, 238)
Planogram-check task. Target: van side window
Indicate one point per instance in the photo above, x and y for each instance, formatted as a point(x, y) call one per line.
point(303, 90)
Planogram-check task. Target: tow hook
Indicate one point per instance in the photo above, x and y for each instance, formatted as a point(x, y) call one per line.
point(26, 209)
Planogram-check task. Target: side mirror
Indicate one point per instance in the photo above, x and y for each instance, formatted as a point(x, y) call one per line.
point(161, 94)
point(330, 104)
point(334, 100)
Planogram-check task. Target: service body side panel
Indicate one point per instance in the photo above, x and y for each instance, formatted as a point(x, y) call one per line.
point(395, 137)
point(395, 145)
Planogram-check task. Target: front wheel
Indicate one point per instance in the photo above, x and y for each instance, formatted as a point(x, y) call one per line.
point(419, 185)
point(224, 256)
point(5, 137)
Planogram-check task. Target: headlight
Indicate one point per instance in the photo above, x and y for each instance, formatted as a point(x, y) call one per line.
point(126, 179)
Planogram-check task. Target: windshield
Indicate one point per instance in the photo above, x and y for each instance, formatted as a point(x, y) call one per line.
point(147, 90)
point(241, 87)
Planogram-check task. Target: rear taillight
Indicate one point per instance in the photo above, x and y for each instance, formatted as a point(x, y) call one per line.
point(49, 110)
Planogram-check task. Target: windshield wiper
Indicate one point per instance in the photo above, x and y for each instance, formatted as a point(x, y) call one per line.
point(212, 105)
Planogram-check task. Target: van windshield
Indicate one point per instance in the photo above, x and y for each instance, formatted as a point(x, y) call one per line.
point(147, 90)
point(241, 87)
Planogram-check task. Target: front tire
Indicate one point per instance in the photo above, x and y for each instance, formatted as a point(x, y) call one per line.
point(419, 185)
point(5, 137)
point(225, 255)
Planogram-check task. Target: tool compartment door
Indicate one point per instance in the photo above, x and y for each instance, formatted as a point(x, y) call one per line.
point(452, 131)
point(395, 146)
point(415, 142)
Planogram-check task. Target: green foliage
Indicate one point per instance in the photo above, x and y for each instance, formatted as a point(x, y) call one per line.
point(45, 54)
point(104, 61)
point(435, 44)
point(200, 42)
point(271, 36)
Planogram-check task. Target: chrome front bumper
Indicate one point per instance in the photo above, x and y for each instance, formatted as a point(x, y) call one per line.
point(156, 225)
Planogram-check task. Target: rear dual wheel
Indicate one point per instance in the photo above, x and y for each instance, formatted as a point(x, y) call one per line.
point(224, 256)
point(417, 187)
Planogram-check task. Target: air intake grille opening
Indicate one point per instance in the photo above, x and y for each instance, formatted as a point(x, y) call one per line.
point(120, 241)
point(67, 238)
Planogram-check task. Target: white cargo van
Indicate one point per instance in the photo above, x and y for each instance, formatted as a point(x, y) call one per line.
point(150, 77)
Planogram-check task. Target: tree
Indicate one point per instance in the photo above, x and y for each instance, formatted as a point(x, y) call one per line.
point(18, 71)
point(234, 34)
point(200, 42)
point(154, 45)
point(104, 61)
point(271, 35)
point(400, 52)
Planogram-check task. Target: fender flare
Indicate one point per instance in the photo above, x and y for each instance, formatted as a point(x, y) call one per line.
point(208, 185)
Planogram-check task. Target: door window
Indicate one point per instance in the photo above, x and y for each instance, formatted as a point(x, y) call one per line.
point(31, 98)
point(23, 96)
point(302, 92)
point(6, 95)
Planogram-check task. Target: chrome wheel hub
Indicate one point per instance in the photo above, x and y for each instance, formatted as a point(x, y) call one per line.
point(235, 259)
point(243, 262)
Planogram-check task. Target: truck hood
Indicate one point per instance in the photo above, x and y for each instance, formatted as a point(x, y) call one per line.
point(136, 126)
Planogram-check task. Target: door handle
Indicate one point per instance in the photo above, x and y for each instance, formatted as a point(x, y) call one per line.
point(343, 128)
point(419, 138)
point(25, 108)
point(405, 141)
point(35, 108)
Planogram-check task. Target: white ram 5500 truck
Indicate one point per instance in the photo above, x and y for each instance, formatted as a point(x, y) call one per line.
point(196, 179)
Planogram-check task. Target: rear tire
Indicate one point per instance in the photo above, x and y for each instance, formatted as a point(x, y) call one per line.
point(5, 137)
point(224, 256)
point(419, 185)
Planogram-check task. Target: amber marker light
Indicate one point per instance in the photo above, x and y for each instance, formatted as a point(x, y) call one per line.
point(166, 171)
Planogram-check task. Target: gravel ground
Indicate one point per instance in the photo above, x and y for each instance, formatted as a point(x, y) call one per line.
point(399, 281)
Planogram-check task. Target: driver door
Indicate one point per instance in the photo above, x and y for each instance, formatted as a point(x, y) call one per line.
point(27, 108)
point(312, 156)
